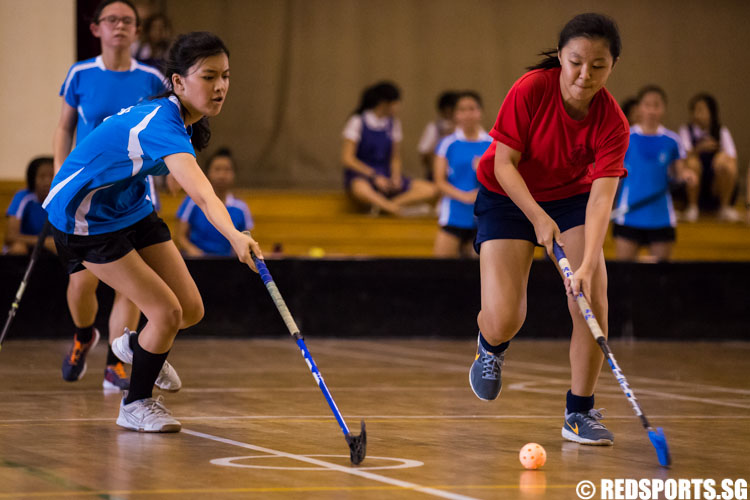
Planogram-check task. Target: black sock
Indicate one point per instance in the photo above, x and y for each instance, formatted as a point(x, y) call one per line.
point(580, 404)
point(494, 349)
point(84, 335)
point(111, 358)
point(146, 367)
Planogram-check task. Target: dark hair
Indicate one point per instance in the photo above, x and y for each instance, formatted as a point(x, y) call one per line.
point(714, 127)
point(149, 21)
point(186, 51)
point(33, 168)
point(627, 105)
point(589, 25)
point(648, 89)
point(469, 94)
point(222, 152)
point(447, 100)
point(375, 94)
point(104, 3)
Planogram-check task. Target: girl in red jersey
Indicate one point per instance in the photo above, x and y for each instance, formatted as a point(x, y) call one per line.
point(551, 175)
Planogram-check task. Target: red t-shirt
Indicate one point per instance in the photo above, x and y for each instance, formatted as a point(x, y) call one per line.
point(560, 156)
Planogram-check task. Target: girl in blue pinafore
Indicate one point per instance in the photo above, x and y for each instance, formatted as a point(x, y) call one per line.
point(371, 154)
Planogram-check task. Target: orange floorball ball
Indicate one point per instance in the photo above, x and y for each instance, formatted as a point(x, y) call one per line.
point(532, 455)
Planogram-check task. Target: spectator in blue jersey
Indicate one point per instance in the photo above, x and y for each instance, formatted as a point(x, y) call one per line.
point(196, 236)
point(102, 219)
point(644, 215)
point(434, 131)
point(93, 90)
point(371, 154)
point(713, 157)
point(26, 217)
point(455, 176)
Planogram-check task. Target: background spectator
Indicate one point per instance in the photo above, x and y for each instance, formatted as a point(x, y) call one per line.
point(442, 126)
point(654, 154)
point(713, 157)
point(630, 108)
point(456, 160)
point(196, 236)
point(154, 40)
point(26, 217)
point(371, 154)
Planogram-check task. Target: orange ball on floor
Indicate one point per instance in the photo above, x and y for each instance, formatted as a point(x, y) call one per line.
point(532, 455)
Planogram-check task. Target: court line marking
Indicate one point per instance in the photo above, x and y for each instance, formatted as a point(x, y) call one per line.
point(405, 463)
point(321, 463)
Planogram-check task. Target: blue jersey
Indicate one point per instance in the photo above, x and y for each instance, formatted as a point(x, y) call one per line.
point(204, 235)
point(648, 159)
point(28, 209)
point(96, 92)
point(462, 157)
point(101, 187)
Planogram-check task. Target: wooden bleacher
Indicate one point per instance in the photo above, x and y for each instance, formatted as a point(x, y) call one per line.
point(302, 220)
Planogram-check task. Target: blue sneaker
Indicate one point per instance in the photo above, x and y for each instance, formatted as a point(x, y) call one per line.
point(74, 363)
point(586, 428)
point(115, 378)
point(484, 375)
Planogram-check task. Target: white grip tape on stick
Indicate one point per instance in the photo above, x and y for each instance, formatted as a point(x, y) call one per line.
point(281, 306)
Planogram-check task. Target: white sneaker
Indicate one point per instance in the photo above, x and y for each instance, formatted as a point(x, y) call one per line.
point(147, 415)
point(690, 214)
point(729, 214)
point(168, 380)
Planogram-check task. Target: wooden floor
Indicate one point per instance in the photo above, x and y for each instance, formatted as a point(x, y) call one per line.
point(256, 426)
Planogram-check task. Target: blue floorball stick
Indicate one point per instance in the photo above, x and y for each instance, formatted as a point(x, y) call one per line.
point(357, 444)
point(657, 437)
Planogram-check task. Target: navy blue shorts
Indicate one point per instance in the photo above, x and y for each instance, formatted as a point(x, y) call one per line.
point(498, 218)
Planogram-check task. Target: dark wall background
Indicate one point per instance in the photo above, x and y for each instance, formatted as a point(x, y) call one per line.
point(412, 298)
point(298, 66)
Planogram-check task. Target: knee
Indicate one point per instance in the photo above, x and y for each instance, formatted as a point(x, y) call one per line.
point(168, 317)
point(500, 326)
point(192, 313)
point(82, 285)
point(724, 164)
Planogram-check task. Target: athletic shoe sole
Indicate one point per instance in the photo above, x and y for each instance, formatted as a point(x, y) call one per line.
point(572, 436)
point(163, 429)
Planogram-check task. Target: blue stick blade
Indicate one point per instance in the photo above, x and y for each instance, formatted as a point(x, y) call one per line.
point(659, 440)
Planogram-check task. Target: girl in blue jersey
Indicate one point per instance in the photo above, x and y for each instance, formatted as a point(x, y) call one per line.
point(26, 217)
point(93, 90)
point(455, 176)
point(102, 218)
point(371, 154)
point(654, 155)
point(195, 234)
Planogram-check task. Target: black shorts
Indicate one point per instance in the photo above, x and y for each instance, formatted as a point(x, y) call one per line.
point(464, 235)
point(498, 218)
point(74, 249)
point(644, 236)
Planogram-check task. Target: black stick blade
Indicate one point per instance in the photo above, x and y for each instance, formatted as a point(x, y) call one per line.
point(357, 446)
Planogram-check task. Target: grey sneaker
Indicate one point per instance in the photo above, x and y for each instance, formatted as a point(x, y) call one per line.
point(168, 380)
point(484, 375)
point(147, 415)
point(586, 428)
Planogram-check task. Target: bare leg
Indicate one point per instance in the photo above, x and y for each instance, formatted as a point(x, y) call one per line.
point(626, 249)
point(363, 192)
point(419, 191)
point(82, 301)
point(585, 355)
point(504, 268)
point(662, 250)
point(693, 191)
point(447, 245)
point(124, 314)
point(468, 251)
point(725, 178)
